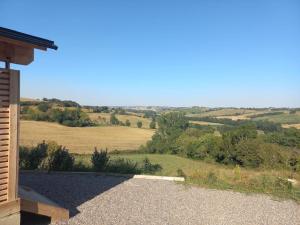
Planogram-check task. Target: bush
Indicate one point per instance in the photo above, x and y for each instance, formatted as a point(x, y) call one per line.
point(152, 125)
point(113, 119)
point(148, 167)
point(32, 158)
point(99, 160)
point(60, 160)
point(139, 124)
point(127, 123)
point(247, 153)
point(47, 156)
point(121, 165)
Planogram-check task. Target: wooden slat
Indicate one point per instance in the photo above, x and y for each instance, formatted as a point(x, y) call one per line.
point(4, 142)
point(9, 208)
point(3, 148)
point(4, 120)
point(4, 170)
point(4, 125)
point(3, 153)
point(4, 98)
point(3, 186)
point(3, 164)
point(4, 81)
point(4, 159)
point(4, 104)
point(2, 109)
point(3, 198)
point(4, 137)
point(4, 131)
point(3, 181)
point(4, 74)
point(4, 87)
point(3, 192)
point(4, 114)
point(4, 92)
point(3, 175)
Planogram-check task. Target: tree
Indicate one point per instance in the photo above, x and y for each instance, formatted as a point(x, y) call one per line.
point(43, 106)
point(139, 124)
point(113, 119)
point(127, 123)
point(152, 125)
point(170, 127)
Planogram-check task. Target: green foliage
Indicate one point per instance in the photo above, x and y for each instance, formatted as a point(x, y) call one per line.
point(152, 124)
point(99, 160)
point(150, 168)
point(59, 159)
point(247, 153)
point(32, 158)
point(43, 106)
point(47, 156)
point(67, 117)
point(139, 124)
point(170, 127)
point(127, 123)
point(125, 166)
point(113, 119)
point(287, 137)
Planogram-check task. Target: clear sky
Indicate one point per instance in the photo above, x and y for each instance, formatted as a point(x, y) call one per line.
point(162, 52)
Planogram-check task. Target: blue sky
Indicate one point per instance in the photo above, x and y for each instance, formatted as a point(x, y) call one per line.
point(162, 52)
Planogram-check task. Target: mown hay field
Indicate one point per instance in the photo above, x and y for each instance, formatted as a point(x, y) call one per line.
point(84, 139)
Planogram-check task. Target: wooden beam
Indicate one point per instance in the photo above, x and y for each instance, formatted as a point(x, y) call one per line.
point(20, 43)
point(10, 208)
point(15, 53)
point(33, 202)
point(14, 135)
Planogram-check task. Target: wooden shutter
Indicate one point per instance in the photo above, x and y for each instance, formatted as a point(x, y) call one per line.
point(9, 119)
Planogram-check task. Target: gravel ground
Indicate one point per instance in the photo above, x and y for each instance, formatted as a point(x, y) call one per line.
point(94, 200)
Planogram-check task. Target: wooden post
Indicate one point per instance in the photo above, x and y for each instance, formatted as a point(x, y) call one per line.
point(9, 147)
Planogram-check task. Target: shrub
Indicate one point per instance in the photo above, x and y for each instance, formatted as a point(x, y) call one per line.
point(127, 123)
point(60, 160)
point(99, 160)
point(113, 119)
point(121, 165)
point(180, 173)
point(247, 153)
point(139, 124)
point(35, 156)
point(148, 167)
point(152, 125)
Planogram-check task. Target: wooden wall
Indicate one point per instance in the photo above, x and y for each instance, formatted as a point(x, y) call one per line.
point(9, 120)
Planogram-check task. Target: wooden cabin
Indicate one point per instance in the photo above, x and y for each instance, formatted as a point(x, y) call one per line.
point(16, 48)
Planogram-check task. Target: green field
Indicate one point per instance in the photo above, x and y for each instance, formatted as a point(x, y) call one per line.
point(285, 118)
point(212, 175)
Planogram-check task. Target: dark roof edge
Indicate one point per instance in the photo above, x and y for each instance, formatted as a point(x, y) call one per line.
point(27, 38)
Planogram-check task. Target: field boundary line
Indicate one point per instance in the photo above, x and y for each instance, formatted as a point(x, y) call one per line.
point(135, 176)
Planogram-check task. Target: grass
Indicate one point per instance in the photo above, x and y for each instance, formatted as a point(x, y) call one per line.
point(217, 176)
point(285, 118)
point(296, 125)
point(105, 117)
point(84, 139)
point(204, 123)
point(223, 112)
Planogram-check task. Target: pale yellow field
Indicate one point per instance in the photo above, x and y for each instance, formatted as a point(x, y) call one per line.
point(84, 139)
point(132, 118)
point(204, 123)
point(297, 125)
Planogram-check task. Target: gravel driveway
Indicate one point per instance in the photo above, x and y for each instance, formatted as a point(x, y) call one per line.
point(105, 200)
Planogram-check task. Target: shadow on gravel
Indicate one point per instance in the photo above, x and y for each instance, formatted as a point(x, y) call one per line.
point(69, 190)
